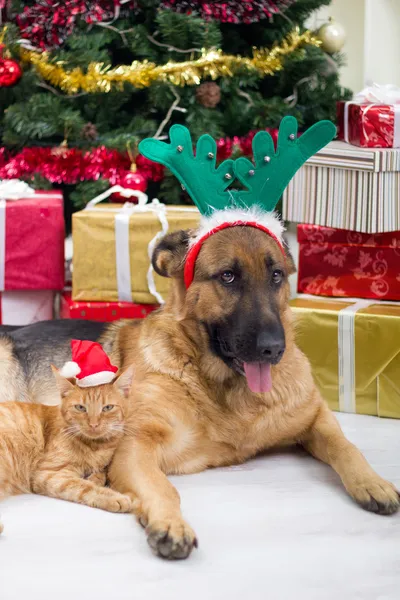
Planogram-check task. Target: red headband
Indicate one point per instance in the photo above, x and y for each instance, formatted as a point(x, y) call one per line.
point(191, 257)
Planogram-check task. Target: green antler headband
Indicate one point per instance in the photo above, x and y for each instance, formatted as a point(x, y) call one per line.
point(265, 180)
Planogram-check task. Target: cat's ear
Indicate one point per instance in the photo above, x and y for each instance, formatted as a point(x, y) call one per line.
point(124, 381)
point(64, 385)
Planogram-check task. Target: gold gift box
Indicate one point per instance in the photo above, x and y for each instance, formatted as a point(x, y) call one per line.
point(94, 274)
point(374, 332)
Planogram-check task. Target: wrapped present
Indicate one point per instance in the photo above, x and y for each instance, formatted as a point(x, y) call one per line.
point(26, 307)
point(372, 119)
point(31, 238)
point(102, 311)
point(337, 262)
point(113, 245)
point(346, 187)
point(354, 350)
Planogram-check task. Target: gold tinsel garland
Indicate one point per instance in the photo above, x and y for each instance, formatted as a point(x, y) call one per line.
point(100, 78)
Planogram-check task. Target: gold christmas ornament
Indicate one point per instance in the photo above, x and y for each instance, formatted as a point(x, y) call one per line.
point(100, 78)
point(332, 36)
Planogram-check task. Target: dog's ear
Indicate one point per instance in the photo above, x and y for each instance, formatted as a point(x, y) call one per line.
point(291, 265)
point(169, 255)
point(290, 262)
point(64, 385)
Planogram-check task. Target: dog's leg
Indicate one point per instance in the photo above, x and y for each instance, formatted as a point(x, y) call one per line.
point(135, 470)
point(326, 441)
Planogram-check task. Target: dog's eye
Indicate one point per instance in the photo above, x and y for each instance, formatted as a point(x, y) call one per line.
point(108, 407)
point(80, 408)
point(277, 276)
point(227, 277)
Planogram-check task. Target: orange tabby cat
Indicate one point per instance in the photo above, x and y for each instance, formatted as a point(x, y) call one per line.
point(63, 451)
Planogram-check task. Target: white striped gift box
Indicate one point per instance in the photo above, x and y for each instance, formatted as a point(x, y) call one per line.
point(347, 187)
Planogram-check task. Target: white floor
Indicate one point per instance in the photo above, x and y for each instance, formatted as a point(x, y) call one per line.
point(278, 528)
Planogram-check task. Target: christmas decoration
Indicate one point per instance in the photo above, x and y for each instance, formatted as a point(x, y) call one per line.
point(63, 165)
point(208, 94)
point(10, 70)
point(239, 11)
point(100, 78)
point(89, 132)
point(48, 23)
point(90, 365)
point(131, 180)
point(332, 36)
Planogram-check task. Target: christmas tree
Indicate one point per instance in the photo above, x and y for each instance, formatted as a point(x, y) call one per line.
point(82, 82)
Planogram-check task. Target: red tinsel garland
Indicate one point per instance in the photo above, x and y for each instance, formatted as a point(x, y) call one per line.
point(71, 165)
point(232, 11)
point(48, 23)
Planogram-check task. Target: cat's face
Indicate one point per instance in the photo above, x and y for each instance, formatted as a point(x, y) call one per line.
point(95, 413)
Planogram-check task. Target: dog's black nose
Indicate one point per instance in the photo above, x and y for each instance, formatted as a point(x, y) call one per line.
point(270, 346)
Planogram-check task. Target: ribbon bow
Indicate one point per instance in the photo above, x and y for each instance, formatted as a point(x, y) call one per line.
point(379, 94)
point(15, 189)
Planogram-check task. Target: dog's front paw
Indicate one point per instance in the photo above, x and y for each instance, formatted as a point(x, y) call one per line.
point(172, 539)
point(375, 494)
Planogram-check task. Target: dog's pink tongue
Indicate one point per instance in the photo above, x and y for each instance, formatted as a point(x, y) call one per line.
point(258, 377)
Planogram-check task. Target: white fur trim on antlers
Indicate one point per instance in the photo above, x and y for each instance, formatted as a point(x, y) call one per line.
point(270, 220)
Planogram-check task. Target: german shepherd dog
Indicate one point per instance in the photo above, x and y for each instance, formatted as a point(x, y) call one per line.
point(191, 402)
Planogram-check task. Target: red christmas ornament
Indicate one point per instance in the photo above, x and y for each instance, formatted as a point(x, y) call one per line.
point(10, 71)
point(131, 180)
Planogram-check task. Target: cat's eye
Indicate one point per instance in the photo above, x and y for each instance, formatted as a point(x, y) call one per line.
point(80, 408)
point(108, 407)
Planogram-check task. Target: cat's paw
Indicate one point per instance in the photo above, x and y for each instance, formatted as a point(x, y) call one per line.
point(119, 503)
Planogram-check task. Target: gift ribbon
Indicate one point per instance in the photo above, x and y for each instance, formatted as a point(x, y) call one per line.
point(376, 95)
point(121, 224)
point(346, 349)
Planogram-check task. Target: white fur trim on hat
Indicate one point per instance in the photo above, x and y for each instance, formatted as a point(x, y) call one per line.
point(99, 378)
point(270, 220)
point(70, 369)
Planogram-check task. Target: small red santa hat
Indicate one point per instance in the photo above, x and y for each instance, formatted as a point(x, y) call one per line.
point(90, 365)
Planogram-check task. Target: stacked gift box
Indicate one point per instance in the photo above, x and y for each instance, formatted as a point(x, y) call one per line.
point(31, 252)
point(112, 275)
point(346, 202)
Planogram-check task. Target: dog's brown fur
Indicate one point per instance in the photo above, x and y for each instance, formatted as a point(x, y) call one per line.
point(190, 411)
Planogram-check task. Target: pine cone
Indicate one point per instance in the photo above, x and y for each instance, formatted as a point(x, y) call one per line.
point(89, 132)
point(208, 94)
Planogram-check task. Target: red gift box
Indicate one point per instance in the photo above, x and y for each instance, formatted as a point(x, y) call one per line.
point(369, 125)
point(102, 311)
point(341, 263)
point(32, 235)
